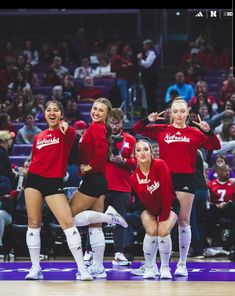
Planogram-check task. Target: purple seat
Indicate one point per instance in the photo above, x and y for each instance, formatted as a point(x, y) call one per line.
point(17, 160)
point(213, 80)
point(107, 82)
point(84, 106)
point(78, 82)
point(41, 125)
point(17, 125)
point(41, 68)
point(86, 116)
point(217, 73)
point(44, 90)
point(21, 149)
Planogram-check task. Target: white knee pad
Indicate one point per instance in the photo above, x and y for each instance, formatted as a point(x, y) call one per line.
point(33, 238)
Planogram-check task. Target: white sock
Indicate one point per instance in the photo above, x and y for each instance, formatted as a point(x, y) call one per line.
point(150, 245)
point(165, 247)
point(75, 245)
point(91, 217)
point(97, 242)
point(33, 241)
point(184, 242)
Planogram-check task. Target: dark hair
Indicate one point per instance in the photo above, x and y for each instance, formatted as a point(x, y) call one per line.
point(117, 114)
point(59, 105)
point(3, 121)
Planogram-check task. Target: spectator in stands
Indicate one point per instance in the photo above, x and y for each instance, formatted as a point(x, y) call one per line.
point(38, 108)
point(89, 92)
point(19, 84)
point(41, 173)
point(227, 138)
point(45, 54)
point(30, 76)
point(93, 151)
point(57, 94)
point(5, 123)
point(7, 175)
point(103, 70)
point(222, 202)
point(220, 159)
point(7, 75)
point(51, 78)
point(18, 109)
point(7, 178)
point(229, 114)
point(202, 87)
point(185, 90)
point(26, 134)
point(122, 65)
point(31, 53)
point(20, 62)
point(152, 184)
point(69, 89)
point(9, 52)
point(193, 69)
point(185, 141)
point(149, 64)
point(227, 91)
point(72, 112)
point(58, 68)
point(201, 100)
point(84, 70)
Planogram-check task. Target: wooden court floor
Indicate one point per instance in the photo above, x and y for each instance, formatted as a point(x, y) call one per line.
point(115, 288)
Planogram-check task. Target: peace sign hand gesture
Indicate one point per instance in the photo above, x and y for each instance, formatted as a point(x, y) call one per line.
point(156, 116)
point(203, 125)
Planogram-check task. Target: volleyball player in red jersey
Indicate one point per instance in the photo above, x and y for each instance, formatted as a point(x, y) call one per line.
point(178, 144)
point(47, 169)
point(93, 152)
point(153, 185)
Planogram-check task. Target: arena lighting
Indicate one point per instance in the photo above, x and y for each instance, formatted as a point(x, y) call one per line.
point(178, 13)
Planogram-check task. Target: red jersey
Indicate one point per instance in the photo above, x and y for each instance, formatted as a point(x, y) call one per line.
point(118, 175)
point(50, 152)
point(93, 147)
point(157, 193)
point(221, 192)
point(178, 146)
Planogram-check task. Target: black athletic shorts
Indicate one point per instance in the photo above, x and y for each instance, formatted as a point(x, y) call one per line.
point(183, 182)
point(47, 186)
point(94, 185)
point(175, 207)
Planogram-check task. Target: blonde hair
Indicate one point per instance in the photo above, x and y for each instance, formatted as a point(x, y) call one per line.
point(148, 143)
point(175, 101)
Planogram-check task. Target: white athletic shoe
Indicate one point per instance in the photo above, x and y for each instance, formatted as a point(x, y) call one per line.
point(165, 272)
point(34, 274)
point(181, 269)
point(84, 275)
point(140, 271)
point(120, 259)
point(97, 272)
point(88, 256)
point(149, 272)
point(116, 218)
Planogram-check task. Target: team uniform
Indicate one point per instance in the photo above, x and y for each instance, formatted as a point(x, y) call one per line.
point(47, 175)
point(119, 189)
point(92, 150)
point(220, 192)
point(178, 147)
point(157, 194)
